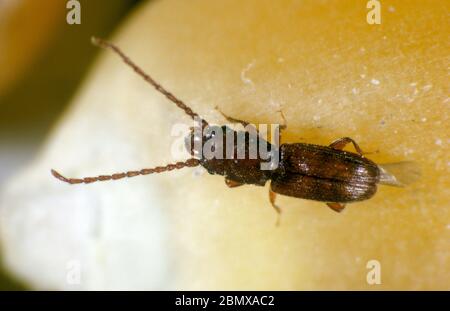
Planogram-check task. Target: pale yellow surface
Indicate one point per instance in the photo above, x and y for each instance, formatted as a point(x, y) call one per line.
point(331, 73)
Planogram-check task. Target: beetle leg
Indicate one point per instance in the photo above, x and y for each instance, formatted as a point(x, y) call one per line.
point(342, 142)
point(233, 120)
point(284, 125)
point(272, 198)
point(337, 207)
point(232, 184)
point(281, 127)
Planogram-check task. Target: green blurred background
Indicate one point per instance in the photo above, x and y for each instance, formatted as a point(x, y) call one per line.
point(38, 94)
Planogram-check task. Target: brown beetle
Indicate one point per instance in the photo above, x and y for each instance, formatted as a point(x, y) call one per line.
point(321, 173)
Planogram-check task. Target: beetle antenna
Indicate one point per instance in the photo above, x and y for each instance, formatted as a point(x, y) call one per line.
point(107, 45)
point(146, 171)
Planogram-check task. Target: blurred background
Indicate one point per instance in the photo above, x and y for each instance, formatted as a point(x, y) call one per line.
point(42, 61)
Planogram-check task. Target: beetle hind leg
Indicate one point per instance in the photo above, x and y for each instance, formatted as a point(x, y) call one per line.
point(337, 207)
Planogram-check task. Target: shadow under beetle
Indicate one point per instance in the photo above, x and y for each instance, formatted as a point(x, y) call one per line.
point(321, 173)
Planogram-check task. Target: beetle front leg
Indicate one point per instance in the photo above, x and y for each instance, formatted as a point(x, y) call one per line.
point(283, 126)
point(272, 198)
point(342, 142)
point(233, 120)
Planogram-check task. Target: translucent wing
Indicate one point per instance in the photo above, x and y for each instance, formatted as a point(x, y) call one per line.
point(399, 174)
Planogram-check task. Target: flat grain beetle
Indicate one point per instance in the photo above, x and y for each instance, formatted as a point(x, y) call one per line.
point(321, 173)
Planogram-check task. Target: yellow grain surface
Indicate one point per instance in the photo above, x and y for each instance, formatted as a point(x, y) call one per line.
point(333, 75)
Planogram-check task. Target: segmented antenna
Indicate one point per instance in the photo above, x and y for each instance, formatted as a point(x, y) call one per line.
point(159, 169)
point(146, 171)
point(107, 45)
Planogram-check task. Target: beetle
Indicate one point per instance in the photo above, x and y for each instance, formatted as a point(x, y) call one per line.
point(307, 171)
